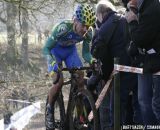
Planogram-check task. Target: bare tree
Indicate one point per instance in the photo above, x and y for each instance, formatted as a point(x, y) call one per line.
point(24, 46)
point(26, 13)
point(10, 23)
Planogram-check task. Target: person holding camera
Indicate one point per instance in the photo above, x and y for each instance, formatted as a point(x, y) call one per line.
point(145, 32)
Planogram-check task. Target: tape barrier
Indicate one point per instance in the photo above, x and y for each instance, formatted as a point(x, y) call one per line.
point(20, 101)
point(21, 118)
point(23, 101)
point(130, 69)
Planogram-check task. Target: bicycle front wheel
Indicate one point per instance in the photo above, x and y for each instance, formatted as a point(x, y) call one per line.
point(58, 113)
point(81, 105)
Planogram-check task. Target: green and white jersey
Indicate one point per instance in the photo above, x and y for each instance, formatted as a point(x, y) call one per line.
point(63, 35)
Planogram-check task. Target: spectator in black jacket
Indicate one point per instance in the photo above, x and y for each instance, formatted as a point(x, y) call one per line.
point(145, 31)
point(110, 42)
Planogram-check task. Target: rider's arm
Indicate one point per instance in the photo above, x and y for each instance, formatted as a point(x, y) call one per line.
point(86, 47)
point(58, 31)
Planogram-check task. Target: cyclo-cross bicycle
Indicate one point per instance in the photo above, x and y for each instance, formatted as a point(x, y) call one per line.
point(80, 104)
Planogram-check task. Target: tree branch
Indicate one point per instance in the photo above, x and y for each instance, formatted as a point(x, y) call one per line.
point(3, 20)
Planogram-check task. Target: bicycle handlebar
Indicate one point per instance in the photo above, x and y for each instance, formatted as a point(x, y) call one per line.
point(70, 70)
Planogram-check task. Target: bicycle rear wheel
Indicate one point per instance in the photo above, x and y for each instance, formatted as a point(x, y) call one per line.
point(58, 113)
point(81, 105)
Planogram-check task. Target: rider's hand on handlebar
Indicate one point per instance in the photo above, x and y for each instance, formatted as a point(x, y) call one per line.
point(96, 66)
point(93, 62)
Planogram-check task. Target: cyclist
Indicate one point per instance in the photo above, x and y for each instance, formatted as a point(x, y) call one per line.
point(60, 46)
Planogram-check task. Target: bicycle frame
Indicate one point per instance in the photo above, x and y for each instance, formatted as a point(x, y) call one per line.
point(69, 117)
point(73, 88)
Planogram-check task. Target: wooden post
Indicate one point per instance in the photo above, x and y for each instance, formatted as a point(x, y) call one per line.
point(117, 98)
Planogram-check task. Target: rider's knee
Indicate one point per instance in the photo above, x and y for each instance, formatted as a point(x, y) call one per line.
point(59, 84)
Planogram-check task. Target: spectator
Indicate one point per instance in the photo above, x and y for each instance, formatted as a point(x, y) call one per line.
point(110, 42)
point(145, 31)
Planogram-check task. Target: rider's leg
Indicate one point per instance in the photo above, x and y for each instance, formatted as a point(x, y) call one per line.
point(53, 94)
point(54, 90)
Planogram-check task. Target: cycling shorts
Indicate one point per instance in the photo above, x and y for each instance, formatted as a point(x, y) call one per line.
point(67, 54)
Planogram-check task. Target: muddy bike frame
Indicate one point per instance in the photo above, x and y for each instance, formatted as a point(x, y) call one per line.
point(74, 90)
